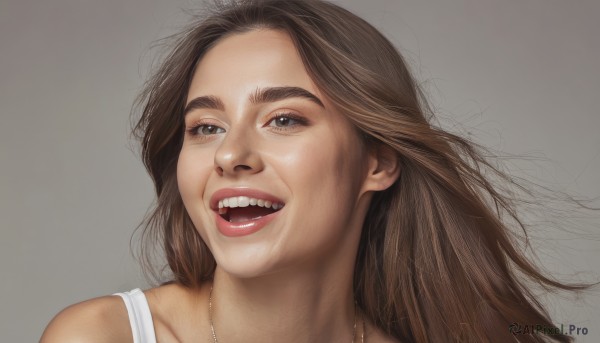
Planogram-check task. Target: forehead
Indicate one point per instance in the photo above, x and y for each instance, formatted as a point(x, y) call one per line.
point(240, 63)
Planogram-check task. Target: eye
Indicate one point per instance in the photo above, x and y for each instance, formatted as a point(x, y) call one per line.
point(286, 120)
point(205, 130)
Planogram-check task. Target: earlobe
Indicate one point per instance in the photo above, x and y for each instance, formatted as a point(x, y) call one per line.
point(384, 169)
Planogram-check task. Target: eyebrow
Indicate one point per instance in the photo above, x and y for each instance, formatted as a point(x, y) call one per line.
point(260, 95)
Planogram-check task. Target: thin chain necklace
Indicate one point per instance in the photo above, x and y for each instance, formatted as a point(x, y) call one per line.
point(214, 335)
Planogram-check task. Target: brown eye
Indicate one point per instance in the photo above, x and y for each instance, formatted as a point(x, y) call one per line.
point(206, 130)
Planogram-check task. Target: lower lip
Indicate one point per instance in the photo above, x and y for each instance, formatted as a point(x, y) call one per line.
point(243, 228)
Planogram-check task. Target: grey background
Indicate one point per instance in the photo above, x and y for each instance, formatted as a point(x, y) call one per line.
point(521, 76)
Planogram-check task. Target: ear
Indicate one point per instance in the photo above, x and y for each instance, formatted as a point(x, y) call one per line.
point(383, 168)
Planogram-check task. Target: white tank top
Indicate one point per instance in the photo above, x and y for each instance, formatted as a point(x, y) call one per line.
point(140, 317)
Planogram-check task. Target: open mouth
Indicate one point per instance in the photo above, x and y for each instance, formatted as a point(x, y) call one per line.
point(246, 209)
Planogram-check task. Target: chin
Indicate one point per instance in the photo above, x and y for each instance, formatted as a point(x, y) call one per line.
point(247, 262)
point(245, 269)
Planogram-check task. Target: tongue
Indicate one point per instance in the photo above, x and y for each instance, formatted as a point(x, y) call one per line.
point(242, 214)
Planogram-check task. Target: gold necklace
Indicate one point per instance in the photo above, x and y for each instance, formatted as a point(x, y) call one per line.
point(214, 335)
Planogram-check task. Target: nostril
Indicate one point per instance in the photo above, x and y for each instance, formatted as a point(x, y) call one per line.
point(242, 167)
point(238, 168)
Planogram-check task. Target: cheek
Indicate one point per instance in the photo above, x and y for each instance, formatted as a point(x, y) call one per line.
point(325, 188)
point(334, 163)
point(192, 173)
point(306, 164)
point(325, 173)
point(331, 151)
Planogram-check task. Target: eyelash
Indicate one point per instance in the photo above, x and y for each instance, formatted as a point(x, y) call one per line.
point(300, 120)
point(193, 131)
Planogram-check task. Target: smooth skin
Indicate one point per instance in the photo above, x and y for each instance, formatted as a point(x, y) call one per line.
point(292, 280)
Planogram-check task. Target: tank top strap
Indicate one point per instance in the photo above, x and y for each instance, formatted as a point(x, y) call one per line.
point(140, 317)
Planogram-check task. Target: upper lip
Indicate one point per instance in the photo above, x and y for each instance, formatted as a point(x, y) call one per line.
point(240, 191)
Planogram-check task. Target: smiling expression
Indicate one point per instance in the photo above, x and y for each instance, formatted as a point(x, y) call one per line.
point(257, 126)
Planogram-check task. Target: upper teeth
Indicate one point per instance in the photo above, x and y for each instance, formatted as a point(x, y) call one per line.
point(243, 201)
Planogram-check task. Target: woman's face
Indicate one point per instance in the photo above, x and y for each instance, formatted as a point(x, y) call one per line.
point(258, 128)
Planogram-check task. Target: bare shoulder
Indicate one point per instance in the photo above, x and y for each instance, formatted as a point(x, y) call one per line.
point(97, 320)
point(177, 312)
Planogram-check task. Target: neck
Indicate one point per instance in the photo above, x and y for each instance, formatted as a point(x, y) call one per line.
point(297, 307)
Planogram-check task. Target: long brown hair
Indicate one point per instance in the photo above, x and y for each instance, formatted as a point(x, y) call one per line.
point(437, 260)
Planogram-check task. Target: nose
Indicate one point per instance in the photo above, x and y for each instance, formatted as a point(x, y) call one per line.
point(238, 154)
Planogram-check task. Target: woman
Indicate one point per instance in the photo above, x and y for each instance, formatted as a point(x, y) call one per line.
point(303, 196)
